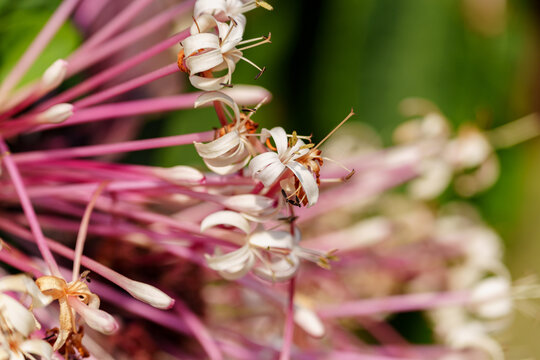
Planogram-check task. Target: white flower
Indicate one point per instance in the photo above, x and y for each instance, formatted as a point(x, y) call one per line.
point(264, 251)
point(223, 9)
point(232, 150)
point(204, 53)
point(270, 166)
point(17, 323)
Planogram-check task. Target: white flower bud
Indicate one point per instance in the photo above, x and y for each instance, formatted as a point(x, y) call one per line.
point(55, 114)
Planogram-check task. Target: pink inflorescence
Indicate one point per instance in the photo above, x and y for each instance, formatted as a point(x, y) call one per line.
point(270, 254)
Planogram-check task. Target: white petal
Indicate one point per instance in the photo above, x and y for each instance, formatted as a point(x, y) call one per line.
point(280, 139)
point(203, 24)
point(37, 347)
point(97, 319)
point(266, 168)
point(218, 96)
point(218, 147)
point(271, 240)
point(249, 203)
point(309, 321)
point(208, 84)
point(17, 315)
point(233, 265)
point(210, 7)
point(232, 35)
point(248, 94)
point(24, 284)
point(227, 169)
point(204, 61)
point(309, 184)
point(192, 44)
point(282, 269)
point(180, 174)
point(234, 155)
point(225, 217)
point(491, 298)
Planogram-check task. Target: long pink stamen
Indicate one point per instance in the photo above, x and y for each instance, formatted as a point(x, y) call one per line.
point(112, 27)
point(37, 46)
point(97, 150)
point(116, 70)
point(125, 87)
point(28, 209)
point(128, 38)
point(399, 303)
point(289, 324)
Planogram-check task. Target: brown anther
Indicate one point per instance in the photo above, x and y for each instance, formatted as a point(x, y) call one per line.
point(260, 73)
point(226, 85)
point(288, 219)
point(349, 175)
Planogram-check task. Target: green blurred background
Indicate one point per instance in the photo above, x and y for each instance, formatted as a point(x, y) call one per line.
point(476, 59)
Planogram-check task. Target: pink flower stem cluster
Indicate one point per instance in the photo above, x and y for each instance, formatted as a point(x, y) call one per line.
point(246, 255)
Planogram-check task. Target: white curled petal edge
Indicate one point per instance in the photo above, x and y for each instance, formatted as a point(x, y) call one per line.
point(37, 347)
point(97, 319)
point(204, 61)
point(17, 315)
point(225, 217)
point(271, 240)
point(249, 203)
point(218, 96)
point(282, 269)
point(226, 169)
point(194, 43)
point(266, 168)
point(208, 84)
point(233, 265)
point(218, 147)
point(307, 180)
point(280, 139)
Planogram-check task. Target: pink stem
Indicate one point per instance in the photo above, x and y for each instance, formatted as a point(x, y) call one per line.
point(128, 38)
point(399, 303)
point(126, 86)
point(199, 330)
point(289, 324)
point(128, 108)
point(37, 46)
point(112, 27)
point(28, 209)
point(110, 73)
point(97, 150)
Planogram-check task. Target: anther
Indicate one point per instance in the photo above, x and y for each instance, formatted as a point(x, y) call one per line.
point(260, 73)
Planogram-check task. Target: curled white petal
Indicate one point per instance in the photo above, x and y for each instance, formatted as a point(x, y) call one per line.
point(278, 270)
point(180, 174)
point(218, 96)
point(233, 265)
point(266, 167)
point(218, 147)
point(309, 184)
point(37, 347)
point(16, 315)
point(192, 44)
point(24, 284)
point(205, 61)
point(225, 217)
point(271, 240)
point(249, 203)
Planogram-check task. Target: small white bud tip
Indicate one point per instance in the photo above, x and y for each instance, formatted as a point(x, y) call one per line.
point(180, 174)
point(248, 94)
point(148, 294)
point(55, 114)
point(54, 75)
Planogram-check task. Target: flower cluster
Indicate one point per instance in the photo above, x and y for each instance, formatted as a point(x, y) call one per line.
point(219, 255)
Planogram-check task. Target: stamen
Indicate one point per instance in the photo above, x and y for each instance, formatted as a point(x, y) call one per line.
point(233, 24)
point(264, 40)
point(260, 74)
point(335, 129)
